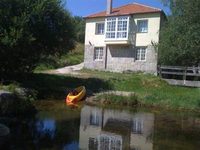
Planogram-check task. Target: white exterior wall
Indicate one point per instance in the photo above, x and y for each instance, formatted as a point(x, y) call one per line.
point(90, 36)
point(119, 60)
point(144, 39)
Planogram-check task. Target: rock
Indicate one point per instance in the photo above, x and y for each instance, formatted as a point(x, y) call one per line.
point(13, 104)
point(6, 99)
point(119, 93)
point(21, 92)
point(27, 94)
point(5, 94)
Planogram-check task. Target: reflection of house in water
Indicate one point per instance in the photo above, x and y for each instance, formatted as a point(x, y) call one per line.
point(104, 129)
point(142, 131)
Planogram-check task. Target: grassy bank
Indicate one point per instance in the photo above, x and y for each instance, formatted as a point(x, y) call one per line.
point(113, 99)
point(150, 90)
point(73, 57)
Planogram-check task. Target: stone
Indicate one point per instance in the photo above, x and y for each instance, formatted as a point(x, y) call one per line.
point(118, 58)
point(15, 104)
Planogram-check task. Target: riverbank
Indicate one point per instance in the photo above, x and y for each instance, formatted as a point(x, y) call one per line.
point(16, 101)
point(131, 101)
point(149, 90)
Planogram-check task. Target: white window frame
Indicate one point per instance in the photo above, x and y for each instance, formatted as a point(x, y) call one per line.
point(94, 118)
point(106, 141)
point(139, 52)
point(116, 29)
point(141, 25)
point(137, 126)
point(98, 53)
point(101, 31)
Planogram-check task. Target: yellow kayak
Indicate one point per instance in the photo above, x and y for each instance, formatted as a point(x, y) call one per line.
point(76, 95)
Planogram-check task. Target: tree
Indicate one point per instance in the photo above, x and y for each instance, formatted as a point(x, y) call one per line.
point(79, 25)
point(30, 29)
point(180, 37)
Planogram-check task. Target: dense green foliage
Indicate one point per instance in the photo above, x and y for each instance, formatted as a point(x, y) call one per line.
point(180, 37)
point(30, 29)
point(79, 27)
point(72, 57)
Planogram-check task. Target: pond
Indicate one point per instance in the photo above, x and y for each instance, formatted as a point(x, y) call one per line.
point(57, 126)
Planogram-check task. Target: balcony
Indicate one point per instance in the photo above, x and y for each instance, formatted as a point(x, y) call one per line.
point(117, 30)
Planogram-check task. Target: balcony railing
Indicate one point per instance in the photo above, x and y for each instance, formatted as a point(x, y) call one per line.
point(116, 31)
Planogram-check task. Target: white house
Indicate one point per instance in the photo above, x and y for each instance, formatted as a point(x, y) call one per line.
point(121, 39)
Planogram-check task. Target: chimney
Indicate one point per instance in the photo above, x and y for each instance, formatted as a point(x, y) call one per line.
point(109, 7)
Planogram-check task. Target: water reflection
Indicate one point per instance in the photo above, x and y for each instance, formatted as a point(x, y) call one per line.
point(46, 127)
point(107, 129)
point(71, 146)
point(103, 129)
point(93, 128)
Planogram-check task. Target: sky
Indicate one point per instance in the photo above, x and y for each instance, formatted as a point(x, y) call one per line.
point(87, 7)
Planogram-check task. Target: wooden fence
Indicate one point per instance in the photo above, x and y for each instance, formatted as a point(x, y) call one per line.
point(178, 75)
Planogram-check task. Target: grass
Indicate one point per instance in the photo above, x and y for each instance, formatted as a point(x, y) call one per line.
point(56, 87)
point(10, 87)
point(72, 57)
point(150, 90)
point(120, 100)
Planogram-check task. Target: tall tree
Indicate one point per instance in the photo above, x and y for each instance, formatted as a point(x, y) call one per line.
point(79, 25)
point(180, 37)
point(31, 28)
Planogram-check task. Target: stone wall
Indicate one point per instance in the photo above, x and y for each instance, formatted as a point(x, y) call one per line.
point(89, 61)
point(150, 65)
point(121, 58)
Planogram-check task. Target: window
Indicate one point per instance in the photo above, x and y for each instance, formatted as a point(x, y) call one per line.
point(99, 28)
point(142, 26)
point(117, 28)
point(94, 119)
point(111, 24)
point(137, 126)
point(141, 54)
point(104, 142)
point(109, 142)
point(122, 27)
point(98, 53)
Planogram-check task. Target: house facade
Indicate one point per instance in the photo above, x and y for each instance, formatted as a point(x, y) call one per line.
point(122, 39)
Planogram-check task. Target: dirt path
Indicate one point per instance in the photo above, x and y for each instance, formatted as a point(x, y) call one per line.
point(68, 70)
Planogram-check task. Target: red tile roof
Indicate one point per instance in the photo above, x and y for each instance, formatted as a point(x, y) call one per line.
point(128, 9)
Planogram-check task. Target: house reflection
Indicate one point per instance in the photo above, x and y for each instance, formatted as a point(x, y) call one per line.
point(142, 131)
point(105, 129)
